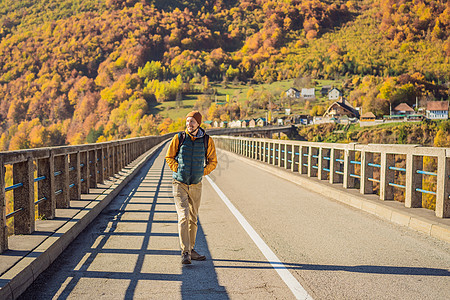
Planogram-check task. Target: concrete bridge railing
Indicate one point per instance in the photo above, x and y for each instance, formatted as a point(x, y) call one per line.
point(50, 177)
point(390, 169)
point(45, 179)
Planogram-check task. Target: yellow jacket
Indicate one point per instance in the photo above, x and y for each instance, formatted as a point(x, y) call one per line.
point(211, 156)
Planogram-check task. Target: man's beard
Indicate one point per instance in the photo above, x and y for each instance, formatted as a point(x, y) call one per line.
point(192, 131)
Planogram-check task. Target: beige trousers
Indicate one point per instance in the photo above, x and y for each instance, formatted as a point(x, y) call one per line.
point(187, 201)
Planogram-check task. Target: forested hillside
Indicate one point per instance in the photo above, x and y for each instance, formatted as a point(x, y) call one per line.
point(76, 71)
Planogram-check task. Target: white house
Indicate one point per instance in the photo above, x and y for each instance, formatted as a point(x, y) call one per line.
point(437, 110)
point(308, 93)
point(334, 94)
point(261, 122)
point(293, 93)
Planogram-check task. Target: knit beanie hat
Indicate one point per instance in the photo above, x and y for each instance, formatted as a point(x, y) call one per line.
point(196, 115)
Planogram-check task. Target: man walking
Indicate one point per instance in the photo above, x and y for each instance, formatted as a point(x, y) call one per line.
point(191, 155)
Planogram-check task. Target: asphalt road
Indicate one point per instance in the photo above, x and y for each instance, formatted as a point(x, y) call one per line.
point(334, 251)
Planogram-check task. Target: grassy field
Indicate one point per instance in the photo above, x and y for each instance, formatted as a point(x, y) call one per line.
point(238, 92)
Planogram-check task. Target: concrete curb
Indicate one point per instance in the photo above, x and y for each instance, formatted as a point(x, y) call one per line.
point(18, 278)
point(419, 219)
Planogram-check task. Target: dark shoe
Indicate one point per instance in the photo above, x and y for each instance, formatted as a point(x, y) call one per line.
point(196, 256)
point(186, 258)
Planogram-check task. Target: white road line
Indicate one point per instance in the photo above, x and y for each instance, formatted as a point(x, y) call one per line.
point(296, 288)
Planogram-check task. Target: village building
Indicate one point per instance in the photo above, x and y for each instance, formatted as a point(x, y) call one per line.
point(223, 124)
point(245, 123)
point(367, 117)
point(341, 108)
point(334, 94)
point(252, 123)
point(325, 90)
point(260, 122)
point(437, 110)
point(293, 93)
point(216, 124)
point(403, 109)
point(308, 94)
point(280, 121)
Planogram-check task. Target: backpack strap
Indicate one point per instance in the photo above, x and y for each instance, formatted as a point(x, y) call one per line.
point(181, 138)
point(205, 141)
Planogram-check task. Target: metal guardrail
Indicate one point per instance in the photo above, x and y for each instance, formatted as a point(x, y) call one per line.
point(337, 163)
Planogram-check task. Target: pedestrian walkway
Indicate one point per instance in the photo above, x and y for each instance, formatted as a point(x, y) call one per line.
point(132, 252)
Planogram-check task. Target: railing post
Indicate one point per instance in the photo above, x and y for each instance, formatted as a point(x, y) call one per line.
point(334, 165)
point(273, 153)
point(413, 198)
point(286, 160)
point(294, 158)
point(46, 187)
point(3, 228)
point(349, 168)
point(106, 164)
point(23, 172)
point(280, 155)
point(303, 167)
point(366, 172)
point(84, 160)
point(311, 152)
point(443, 188)
point(386, 176)
point(258, 154)
point(321, 174)
point(75, 175)
point(100, 165)
point(62, 181)
point(247, 148)
point(264, 157)
point(122, 156)
point(92, 168)
point(113, 160)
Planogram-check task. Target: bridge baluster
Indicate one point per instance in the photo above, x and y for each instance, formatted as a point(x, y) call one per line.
point(100, 165)
point(303, 159)
point(312, 151)
point(334, 166)
point(286, 160)
point(349, 168)
point(321, 173)
point(273, 153)
point(46, 187)
point(3, 228)
point(23, 172)
point(62, 181)
point(75, 176)
point(92, 168)
point(387, 176)
point(414, 163)
point(443, 188)
point(366, 172)
point(294, 158)
point(84, 161)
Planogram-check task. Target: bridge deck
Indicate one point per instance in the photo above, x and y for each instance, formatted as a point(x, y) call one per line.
point(334, 251)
